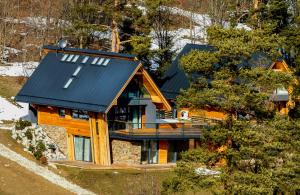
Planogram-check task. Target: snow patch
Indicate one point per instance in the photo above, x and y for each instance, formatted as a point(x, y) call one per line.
point(205, 171)
point(18, 69)
point(38, 22)
point(9, 111)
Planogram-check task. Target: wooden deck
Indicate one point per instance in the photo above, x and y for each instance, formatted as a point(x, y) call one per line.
point(172, 130)
point(158, 133)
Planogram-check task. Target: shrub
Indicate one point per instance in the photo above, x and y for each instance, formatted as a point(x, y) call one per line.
point(28, 134)
point(20, 124)
point(39, 149)
point(40, 146)
point(44, 160)
point(31, 148)
point(38, 154)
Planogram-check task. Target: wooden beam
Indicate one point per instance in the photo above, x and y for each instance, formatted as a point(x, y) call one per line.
point(156, 89)
point(104, 146)
point(70, 141)
point(163, 152)
point(94, 138)
point(123, 88)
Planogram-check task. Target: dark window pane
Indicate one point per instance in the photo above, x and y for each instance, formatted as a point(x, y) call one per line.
point(62, 112)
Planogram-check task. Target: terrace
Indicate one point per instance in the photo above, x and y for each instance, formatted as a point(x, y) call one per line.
point(162, 129)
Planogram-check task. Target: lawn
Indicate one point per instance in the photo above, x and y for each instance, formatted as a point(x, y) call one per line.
point(15, 179)
point(129, 182)
point(10, 86)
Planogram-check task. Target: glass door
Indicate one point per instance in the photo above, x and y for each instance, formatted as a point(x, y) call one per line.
point(136, 117)
point(153, 152)
point(149, 152)
point(172, 152)
point(82, 148)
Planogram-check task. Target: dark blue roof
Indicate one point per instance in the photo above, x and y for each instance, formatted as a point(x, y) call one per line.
point(93, 89)
point(89, 51)
point(176, 79)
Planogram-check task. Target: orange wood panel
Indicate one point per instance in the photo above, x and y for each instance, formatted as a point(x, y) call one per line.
point(207, 113)
point(49, 116)
point(163, 152)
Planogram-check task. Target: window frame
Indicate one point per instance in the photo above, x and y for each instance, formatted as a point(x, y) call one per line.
point(60, 112)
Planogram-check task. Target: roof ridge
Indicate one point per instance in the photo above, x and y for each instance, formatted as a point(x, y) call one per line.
point(90, 51)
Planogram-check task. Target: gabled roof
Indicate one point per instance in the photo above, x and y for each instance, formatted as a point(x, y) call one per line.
point(93, 88)
point(176, 79)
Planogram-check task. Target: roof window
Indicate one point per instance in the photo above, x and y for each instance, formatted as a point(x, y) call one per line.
point(85, 59)
point(95, 60)
point(75, 58)
point(100, 61)
point(70, 58)
point(106, 62)
point(68, 83)
point(64, 57)
point(77, 71)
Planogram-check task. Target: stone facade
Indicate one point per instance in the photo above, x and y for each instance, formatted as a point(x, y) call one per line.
point(30, 137)
point(125, 152)
point(58, 135)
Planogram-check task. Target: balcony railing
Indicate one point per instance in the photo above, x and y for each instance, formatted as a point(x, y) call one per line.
point(172, 130)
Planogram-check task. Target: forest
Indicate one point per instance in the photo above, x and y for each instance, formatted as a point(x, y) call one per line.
point(262, 147)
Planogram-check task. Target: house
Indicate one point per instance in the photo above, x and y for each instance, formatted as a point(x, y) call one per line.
point(175, 79)
point(105, 108)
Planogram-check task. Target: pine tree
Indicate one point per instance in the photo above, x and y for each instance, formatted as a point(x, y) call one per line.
point(260, 151)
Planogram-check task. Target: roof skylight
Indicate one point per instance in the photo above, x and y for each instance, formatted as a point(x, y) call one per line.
point(77, 71)
point(85, 59)
point(75, 58)
point(100, 61)
point(70, 58)
point(106, 62)
point(95, 60)
point(68, 83)
point(64, 57)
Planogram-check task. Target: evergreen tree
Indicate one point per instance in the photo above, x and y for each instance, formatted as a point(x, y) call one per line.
point(260, 152)
point(161, 21)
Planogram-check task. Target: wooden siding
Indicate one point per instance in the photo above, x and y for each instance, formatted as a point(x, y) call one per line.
point(87, 128)
point(49, 116)
point(208, 113)
point(156, 95)
point(163, 152)
point(100, 139)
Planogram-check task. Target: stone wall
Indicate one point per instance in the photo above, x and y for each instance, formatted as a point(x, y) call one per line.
point(58, 135)
point(33, 137)
point(125, 152)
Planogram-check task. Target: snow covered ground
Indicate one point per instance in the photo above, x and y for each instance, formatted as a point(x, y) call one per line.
point(202, 21)
point(9, 111)
point(37, 22)
point(18, 69)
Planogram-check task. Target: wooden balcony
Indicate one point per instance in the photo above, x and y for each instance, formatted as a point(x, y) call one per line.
point(172, 130)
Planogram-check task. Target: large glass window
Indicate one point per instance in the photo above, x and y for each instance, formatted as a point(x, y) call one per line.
point(149, 152)
point(82, 148)
point(80, 114)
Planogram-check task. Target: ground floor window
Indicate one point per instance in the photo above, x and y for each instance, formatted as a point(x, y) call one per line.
point(149, 152)
point(82, 148)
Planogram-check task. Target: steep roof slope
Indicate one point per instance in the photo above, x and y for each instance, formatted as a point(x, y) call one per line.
point(176, 79)
point(92, 88)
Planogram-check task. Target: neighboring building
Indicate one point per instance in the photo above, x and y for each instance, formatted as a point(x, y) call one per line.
point(175, 79)
point(109, 107)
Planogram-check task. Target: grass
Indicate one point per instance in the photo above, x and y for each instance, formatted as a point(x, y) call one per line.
point(18, 180)
point(131, 182)
point(8, 141)
point(10, 86)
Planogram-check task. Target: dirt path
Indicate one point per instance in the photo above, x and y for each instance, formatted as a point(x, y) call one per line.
point(32, 167)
